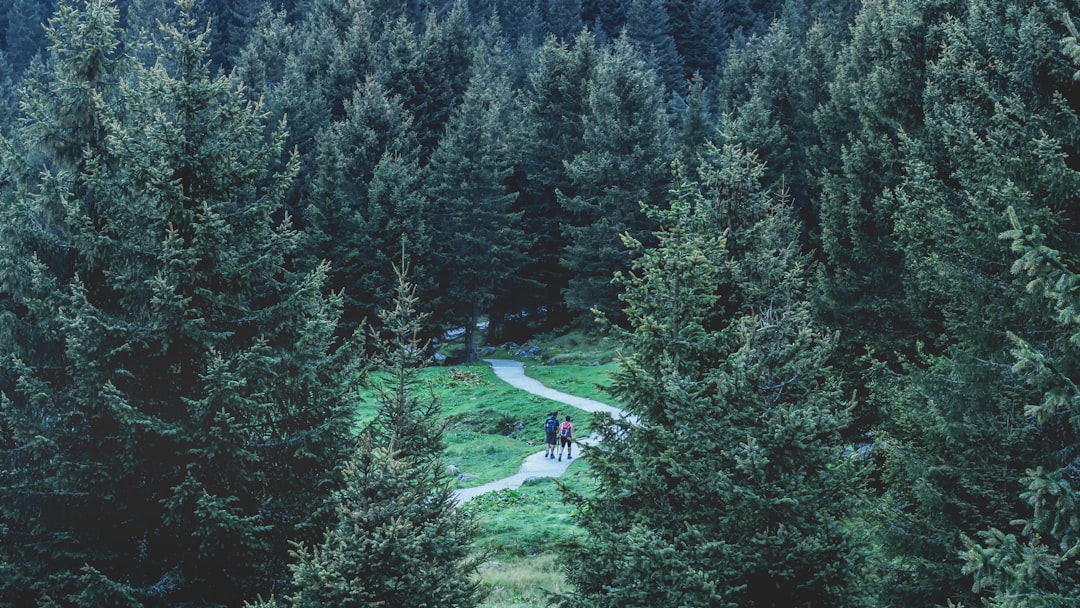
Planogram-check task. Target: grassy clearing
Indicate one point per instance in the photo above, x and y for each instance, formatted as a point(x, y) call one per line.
point(574, 363)
point(522, 532)
point(522, 582)
point(592, 381)
point(491, 426)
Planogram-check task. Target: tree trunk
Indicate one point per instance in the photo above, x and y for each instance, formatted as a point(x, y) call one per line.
point(471, 353)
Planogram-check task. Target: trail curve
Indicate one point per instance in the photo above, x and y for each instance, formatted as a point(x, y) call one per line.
point(535, 465)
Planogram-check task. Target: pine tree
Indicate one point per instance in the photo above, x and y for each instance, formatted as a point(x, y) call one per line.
point(648, 29)
point(479, 242)
point(231, 22)
point(172, 410)
point(628, 143)
point(731, 489)
point(876, 95)
point(1040, 563)
point(24, 35)
point(563, 18)
point(8, 103)
point(984, 149)
point(554, 98)
point(443, 74)
point(343, 223)
point(995, 160)
point(399, 540)
point(697, 27)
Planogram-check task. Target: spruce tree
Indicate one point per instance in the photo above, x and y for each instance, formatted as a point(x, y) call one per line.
point(399, 540)
point(344, 224)
point(173, 407)
point(957, 440)
point(876, 96)
point(730, 489)
point(627, 145)
point(479, 242)
point(1035, 564)
point(995, 169)
point(648, 29)
point(24, 35)
point(554, 99)
point(563, 18)
point(8, 101)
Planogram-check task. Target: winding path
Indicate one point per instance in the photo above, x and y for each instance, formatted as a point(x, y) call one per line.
point(535, 465)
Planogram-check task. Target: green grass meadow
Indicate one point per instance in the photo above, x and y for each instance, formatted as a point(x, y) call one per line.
point(521, 532)
point(491, 428)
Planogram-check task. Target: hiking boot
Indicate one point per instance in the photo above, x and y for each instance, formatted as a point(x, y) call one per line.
point(568, 457)
point(560, 457)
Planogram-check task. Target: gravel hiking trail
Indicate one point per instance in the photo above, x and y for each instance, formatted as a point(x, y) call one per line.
point(535, 465)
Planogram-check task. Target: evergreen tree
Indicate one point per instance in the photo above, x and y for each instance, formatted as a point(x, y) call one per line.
point(8, 102)
point(730, 489)
point(697, 27)
point(141, 26)
point(627, 144)
point(697, 126)
point(554, 98)
point(172, 412)
point(605, 18)
point(876, 95)
point(563, 18)
point(261, 63)
point(25, 33)
point(399, 541)
point(479, 243)
point(998, 135)
point(768, 92)
point(1039, 563)
point(344, 224)
point(648, 29)
point(231, 22)
point(443, 74)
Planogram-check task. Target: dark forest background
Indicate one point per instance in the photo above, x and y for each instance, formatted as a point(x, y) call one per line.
point(839, 240)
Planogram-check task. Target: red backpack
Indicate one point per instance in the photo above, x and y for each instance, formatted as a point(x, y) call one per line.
point(567, 429)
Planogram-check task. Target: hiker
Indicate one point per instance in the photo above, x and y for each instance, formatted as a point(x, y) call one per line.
point(566, 435)
point(551, 434)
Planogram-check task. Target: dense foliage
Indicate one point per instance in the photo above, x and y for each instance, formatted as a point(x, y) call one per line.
point(870, 242)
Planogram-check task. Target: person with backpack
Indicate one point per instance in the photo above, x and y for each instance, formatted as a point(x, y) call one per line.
point(551, 432)
point(566, 436)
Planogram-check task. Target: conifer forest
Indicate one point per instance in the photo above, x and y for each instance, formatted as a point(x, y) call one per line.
point(838, 241)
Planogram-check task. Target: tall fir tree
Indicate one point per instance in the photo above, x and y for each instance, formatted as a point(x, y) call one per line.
point(998, 134)
point(875, 96)
point(344, 224)
point(173, 412)
point(554, 99)
point(8, 97)
point(400, 541)
point(563, 18)
point(697, 27)
point(627, 145)
point(479, 241)
point(730, 488)
point(24, 35)
point(648, 28)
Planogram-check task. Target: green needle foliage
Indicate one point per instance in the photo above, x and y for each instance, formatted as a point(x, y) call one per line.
point(400, 541)
point(731, 490)
point(1037, 565)
point(173, 409)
